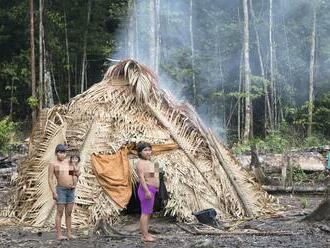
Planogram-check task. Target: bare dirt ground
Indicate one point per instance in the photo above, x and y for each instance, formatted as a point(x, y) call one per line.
point(284, 231)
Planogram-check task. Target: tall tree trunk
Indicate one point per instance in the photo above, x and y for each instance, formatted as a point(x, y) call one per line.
point(33, 62)
point(247, 83)
point(84, 63)
point(271, 62)
point(283, 8)
point(67, 55)
point(54, 83)
point(277, 96)
point(240, 84)
point(192, 54)
point(11, 99)
point(166, 29)
point(48, 88)
point(221, 77)
point(158, 40)
point(131, 29)
point(76, 75)
point(41, 54)
point(136, 30)
point(45, 84)
point(152, 46)
point(239, 100)
point(311, 76)
point(268, 115)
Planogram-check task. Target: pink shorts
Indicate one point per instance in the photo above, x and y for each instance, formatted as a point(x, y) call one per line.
point(147, 205)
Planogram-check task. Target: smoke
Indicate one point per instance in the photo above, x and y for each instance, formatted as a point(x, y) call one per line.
point(217, 38)
point(173, 49)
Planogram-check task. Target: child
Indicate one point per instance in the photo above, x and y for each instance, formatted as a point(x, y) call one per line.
point(63, 193)
point(74, 169)
point(149, 184)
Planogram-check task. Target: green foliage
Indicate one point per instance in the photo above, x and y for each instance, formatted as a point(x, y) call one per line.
point(32, 102)
point(321, 176)
point(322, 114)
point(304, 202)
point(274, 142)
point(239, 148)
point(299, 175)
point(315, 140)
point(217, 33)
point(7, 129)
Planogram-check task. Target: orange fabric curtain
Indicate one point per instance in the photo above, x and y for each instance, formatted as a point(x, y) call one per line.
point(114, 174)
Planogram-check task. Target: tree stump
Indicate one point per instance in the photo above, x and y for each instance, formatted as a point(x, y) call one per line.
point(256, 166)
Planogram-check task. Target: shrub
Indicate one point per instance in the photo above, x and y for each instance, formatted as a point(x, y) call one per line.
point(7, 128)
point(315, 140)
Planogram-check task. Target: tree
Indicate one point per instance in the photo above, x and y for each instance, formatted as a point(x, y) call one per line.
point(192, 47)
point(153, 30)
point(311, 75)
point(267, 111)
point(41, 54)
point(32, 60)
point(247, 72)
point(45, 81)
point(67, 54)
point(131, 30)
point(84, 58)
point(271, 65)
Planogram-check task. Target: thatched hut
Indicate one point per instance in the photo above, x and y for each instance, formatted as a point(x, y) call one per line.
point(127, 106)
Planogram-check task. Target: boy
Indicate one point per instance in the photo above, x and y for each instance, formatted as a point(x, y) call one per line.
point(64, 193)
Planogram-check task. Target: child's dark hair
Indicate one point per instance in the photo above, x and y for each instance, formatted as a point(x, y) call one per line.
point(60, 148)
point(140, 146)
point(74, 156)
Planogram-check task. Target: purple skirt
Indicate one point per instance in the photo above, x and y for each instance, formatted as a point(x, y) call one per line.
point(147, 205)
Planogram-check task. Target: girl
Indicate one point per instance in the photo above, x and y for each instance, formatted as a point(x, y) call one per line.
point(148, 186)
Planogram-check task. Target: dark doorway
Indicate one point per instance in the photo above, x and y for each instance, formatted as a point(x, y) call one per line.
point(133, 206)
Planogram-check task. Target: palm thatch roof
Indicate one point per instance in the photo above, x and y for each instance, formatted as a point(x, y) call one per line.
point(127, 106)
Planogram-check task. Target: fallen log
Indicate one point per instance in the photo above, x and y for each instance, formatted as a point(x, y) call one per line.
point(3, 159)
point(7, 170)
point(4, 184)
point(297, 189)
point(197, 231)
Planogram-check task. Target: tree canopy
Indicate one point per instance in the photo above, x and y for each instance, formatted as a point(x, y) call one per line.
point(198, 49)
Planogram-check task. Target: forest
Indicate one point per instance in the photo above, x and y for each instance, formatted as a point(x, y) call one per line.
point(231, 99)
point(256, 71)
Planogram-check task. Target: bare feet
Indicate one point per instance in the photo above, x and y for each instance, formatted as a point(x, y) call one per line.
point(61, 237)
point(72, 236)
point(148, 238)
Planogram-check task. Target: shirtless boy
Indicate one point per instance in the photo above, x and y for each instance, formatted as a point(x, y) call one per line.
point(64, 193)
point(149, 184)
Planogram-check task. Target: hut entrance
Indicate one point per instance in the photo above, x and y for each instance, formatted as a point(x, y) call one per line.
point(133, 206)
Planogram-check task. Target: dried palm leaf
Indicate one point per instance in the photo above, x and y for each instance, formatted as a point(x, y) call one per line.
point(111, 115)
